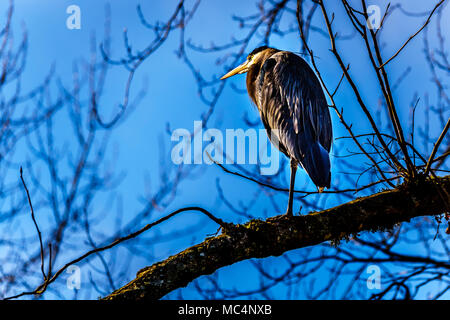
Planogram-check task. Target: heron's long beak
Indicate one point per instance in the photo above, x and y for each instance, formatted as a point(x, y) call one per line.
point(243, 68)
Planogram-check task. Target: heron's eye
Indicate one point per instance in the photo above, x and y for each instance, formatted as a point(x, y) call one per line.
point(250, 57)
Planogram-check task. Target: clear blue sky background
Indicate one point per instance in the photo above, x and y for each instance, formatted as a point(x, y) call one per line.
point(138, 138)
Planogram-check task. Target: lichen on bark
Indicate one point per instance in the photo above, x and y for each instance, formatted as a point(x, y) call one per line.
point(279, 234)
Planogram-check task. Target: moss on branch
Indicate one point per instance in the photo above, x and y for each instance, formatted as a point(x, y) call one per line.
point(273, 237)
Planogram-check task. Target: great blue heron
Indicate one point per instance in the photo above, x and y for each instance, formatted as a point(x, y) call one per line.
point(293, 109)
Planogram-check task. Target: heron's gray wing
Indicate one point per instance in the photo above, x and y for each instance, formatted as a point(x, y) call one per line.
point(304, 96)
point(291, 98)
point(291, 101)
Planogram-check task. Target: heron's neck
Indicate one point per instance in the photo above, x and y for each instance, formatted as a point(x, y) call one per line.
point(252, 76)
point(254, 73)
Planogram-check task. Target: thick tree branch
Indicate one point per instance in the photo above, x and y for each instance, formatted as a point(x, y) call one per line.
point(277, 235)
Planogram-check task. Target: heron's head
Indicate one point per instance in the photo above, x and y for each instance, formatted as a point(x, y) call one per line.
point(256, 57)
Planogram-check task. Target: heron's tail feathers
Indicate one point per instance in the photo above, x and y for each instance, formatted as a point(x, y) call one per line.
point(316, 162)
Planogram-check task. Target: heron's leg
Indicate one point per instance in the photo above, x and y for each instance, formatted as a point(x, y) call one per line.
point(291, 187)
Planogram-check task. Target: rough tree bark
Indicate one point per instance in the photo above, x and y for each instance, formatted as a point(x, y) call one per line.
point(273, 237)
